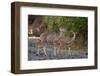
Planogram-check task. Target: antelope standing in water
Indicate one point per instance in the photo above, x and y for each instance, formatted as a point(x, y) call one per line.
point(58, 40)
point(66, 41)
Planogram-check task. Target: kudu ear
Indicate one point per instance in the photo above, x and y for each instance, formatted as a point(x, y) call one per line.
point(61, 29)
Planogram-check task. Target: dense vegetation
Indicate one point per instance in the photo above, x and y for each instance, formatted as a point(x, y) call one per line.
point(76, 24)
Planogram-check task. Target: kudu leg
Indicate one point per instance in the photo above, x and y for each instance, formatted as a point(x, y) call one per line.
point(55, 53)
point(44, 50)
point(38, 51)
point(58, 50)
point(69, 50)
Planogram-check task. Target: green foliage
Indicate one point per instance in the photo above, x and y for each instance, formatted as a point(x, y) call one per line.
point(76, 24)
point(69, 23)
point(51, 23)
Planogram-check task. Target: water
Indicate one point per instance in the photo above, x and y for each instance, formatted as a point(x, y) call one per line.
point(63, 54)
